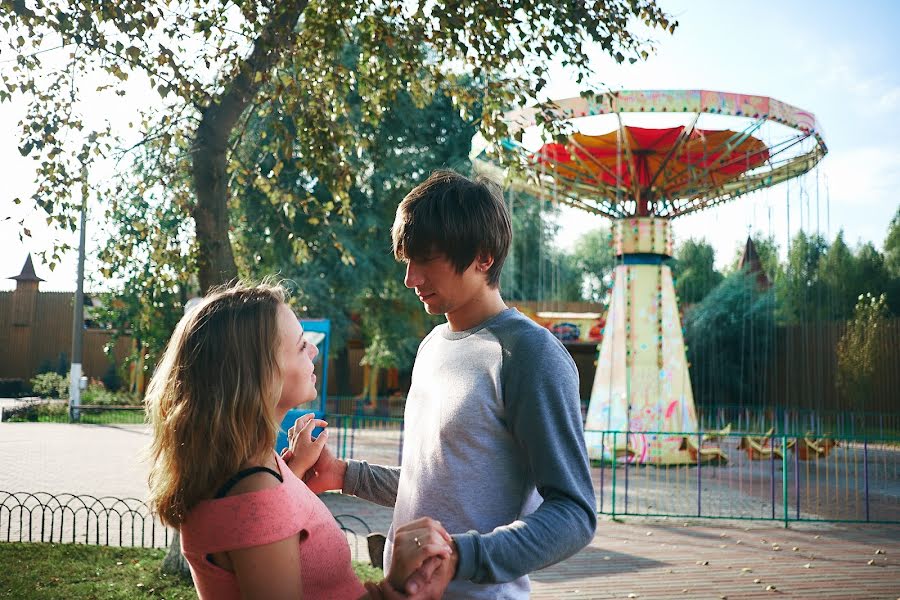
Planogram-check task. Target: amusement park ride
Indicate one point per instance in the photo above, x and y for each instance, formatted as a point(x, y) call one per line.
point(643, 158)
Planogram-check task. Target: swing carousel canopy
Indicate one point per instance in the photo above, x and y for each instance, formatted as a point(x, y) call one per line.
point(658, 171)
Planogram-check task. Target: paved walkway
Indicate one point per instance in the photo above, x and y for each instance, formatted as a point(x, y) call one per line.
point(634, 559)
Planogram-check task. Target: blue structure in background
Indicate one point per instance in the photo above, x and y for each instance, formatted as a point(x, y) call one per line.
point(318, 332)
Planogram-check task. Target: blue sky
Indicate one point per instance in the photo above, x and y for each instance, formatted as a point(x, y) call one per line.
point(836, 59)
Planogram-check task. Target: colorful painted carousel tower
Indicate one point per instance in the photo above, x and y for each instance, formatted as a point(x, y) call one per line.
point(641, 382)
point(666, 153)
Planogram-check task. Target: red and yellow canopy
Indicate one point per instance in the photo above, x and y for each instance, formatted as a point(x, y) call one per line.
point(654, 164)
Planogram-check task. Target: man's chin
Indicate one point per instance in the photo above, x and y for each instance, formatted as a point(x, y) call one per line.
point(434, 309)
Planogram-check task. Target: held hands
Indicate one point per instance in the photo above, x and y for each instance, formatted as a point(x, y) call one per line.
point(303, 451)
point(422, 548)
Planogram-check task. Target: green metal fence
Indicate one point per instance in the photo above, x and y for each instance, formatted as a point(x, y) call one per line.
point(800, 421)
point(782, 476)
point(748, 476)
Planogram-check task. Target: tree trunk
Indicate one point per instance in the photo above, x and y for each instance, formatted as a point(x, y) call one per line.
point(174, 563)
point(215, 258)
point(210, 148)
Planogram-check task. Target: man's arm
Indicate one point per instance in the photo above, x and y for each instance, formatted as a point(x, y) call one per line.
point(374, 483)
point(540, 388)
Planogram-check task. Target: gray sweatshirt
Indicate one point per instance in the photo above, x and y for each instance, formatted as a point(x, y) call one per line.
point(494, 450)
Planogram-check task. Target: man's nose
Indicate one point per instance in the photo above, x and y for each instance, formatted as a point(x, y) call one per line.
point(413, 276)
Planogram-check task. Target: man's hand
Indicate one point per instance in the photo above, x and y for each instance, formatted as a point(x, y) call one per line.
point(433, 577)
point(327, 474)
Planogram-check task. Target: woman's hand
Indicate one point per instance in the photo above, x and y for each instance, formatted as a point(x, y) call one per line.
point(415, 543)
point(303, 451)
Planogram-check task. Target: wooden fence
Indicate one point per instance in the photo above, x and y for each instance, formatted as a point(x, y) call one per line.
point(35, 329)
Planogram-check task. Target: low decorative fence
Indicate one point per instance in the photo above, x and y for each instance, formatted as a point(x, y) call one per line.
point(109, 521)
point(79, 519)
point(748, 476)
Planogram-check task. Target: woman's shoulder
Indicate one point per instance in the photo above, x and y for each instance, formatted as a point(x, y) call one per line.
point(258, 509)
point(254, 478)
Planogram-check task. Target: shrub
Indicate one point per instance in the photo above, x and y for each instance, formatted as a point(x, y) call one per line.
point(97, 395)
point(37, 410)
point(50, 385)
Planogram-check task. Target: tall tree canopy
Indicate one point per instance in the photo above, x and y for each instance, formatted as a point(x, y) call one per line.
point(694, 270)
point(214, 63)
point(536, 268)
point(729, 336)
point(595, 259)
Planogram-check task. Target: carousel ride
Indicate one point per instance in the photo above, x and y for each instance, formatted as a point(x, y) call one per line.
point(641, 159)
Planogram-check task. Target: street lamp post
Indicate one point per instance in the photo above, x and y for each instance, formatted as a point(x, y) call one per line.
point(78, 313)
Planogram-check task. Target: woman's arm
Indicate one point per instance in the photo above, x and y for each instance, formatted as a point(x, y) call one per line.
point(270, 571)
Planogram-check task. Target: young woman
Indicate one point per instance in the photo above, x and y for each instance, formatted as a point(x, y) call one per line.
point(250, 528)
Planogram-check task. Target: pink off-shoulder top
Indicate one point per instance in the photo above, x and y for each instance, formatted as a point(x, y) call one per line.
point(264, 517)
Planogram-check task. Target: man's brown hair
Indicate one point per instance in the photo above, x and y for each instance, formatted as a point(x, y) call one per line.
point(457, 217)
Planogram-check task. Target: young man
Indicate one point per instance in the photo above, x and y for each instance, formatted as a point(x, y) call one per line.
point(493, 446)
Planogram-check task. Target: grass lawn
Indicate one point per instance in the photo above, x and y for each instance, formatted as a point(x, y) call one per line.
point(51, 571)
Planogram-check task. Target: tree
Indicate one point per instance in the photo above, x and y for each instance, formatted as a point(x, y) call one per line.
point(858, 350)
point(892, 263)
point(839, 280)
point(536, 269)
point(871, 272)
point(213, 64)
point(801, 292)
point(346, 268)
point(892, 246)
point(595, 260)
point(730, 342)
point(694, 271)
point(147, 260)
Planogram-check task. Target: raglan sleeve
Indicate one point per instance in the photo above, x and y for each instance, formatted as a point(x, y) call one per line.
point(375, 483)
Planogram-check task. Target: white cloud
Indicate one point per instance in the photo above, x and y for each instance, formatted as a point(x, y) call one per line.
point(866, 176)
point(889, 100)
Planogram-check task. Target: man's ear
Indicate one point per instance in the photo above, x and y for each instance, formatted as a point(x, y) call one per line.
point(484, 262)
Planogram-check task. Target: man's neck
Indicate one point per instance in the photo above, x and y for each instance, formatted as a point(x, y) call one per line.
point(478, 310)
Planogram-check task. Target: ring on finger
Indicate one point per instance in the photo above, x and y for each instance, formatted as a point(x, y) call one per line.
point(416, 540)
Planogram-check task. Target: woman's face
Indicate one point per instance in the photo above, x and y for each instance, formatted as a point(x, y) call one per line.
point(295, 359)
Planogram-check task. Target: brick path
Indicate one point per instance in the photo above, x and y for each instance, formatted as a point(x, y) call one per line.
point(635, 559)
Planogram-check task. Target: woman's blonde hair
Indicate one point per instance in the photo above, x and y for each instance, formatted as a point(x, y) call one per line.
point(211, 402)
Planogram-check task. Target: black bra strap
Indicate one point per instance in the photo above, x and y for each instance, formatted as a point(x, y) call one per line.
point(233, 481)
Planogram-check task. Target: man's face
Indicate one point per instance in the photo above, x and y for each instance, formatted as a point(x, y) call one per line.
point(440, 288)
